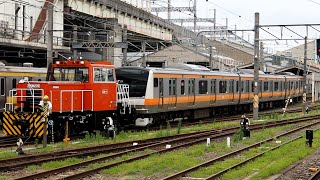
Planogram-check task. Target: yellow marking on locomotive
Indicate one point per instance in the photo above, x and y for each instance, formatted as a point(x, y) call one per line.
point(35, 124)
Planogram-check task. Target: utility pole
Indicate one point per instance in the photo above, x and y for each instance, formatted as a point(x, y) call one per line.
point(215, 22)
point(226, 28)
point(169, 10)
point(261, 57)
point(210, 57)
point(305, 76)
point(75, 38)
point(256, 68)
point(195, 15)
point(143, 47)
point(125, 50)
point(49, 59)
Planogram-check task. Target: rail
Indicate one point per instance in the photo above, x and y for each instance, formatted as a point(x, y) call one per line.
point(13, 93)
point(72, 100)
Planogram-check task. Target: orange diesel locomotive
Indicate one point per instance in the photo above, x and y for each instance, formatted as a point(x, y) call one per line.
point(83, 96)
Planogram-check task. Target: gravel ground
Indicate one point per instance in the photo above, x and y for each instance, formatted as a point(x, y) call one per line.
point(300, 170)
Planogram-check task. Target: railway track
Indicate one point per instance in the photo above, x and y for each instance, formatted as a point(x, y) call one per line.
point(232, 154)
point(8, 141)
point(315, 176)
point(158, 146)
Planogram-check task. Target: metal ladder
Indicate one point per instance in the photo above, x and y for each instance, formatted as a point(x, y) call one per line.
point(123, 98)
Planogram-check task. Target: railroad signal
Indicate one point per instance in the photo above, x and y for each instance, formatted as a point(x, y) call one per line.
point(309, 137)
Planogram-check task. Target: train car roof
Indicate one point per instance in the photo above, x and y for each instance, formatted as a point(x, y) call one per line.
point(22, 69)
point(199, 72)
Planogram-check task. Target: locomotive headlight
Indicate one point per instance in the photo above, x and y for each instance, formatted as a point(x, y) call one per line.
point(57, 62)
point(81, 62)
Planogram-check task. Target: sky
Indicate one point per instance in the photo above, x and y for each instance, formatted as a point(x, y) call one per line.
point(241, 13)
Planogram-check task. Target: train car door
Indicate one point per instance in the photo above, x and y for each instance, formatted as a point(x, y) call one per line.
point(160, 93)
point(260, 89)
point(191, 92)
point(231, 90)
point(271, 89)
point(213, 94)
point(2, 92)
point(172, 93)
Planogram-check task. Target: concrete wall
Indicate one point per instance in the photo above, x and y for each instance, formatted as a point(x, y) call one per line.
point(232, 52)
point(298, 51)
point(134, 24)
point(177, 54)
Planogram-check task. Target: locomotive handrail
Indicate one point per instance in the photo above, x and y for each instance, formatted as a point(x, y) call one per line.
point(12, 94)
point(82, 101)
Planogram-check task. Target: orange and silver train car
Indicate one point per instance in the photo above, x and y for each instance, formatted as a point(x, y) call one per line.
point(191, 91)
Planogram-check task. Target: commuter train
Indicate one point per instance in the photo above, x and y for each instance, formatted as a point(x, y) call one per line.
point(191, 91)
point(88, 96)
point(11, 75)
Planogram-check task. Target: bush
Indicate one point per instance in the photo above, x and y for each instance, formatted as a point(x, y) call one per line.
point(238, 135)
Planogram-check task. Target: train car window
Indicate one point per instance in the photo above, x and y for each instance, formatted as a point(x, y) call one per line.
point(242, 86)
point(182, 87)
point(291, 85)
point(155, 82)
point(170, 87)
point(203, 87)
point(39, 79)
point(276, 86)
point(174, 87)
point(266, 86)
point(230, 86)
point(247, 86)
point(222, 86)
point(237, 86)
point(252, 86)
point(297, 85)
point(14, 83)
point(2, 92)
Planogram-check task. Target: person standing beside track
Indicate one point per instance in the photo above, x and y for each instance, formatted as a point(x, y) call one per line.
point(244, 124)
point(45, 105)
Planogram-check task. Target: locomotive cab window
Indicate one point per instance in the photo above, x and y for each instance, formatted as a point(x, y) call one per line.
point(103, 75)
point(70, 74)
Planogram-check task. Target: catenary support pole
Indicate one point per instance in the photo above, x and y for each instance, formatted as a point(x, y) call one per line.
point(210, 58)
point(305, 76)
point(256, 68)
point(49, 59)
point(125, 50)
point(75, 38)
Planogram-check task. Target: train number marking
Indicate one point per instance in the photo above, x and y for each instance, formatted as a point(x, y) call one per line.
point(104, 91)
point(33, 86)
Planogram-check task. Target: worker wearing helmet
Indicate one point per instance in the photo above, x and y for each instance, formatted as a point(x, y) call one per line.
point(45, 105)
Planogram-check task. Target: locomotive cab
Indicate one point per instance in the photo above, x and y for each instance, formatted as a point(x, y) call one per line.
point(83, 96)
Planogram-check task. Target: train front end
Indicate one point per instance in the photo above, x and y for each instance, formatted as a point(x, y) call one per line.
point(83, 97)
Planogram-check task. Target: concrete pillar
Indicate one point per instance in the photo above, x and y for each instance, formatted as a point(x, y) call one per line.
point(114, 54)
